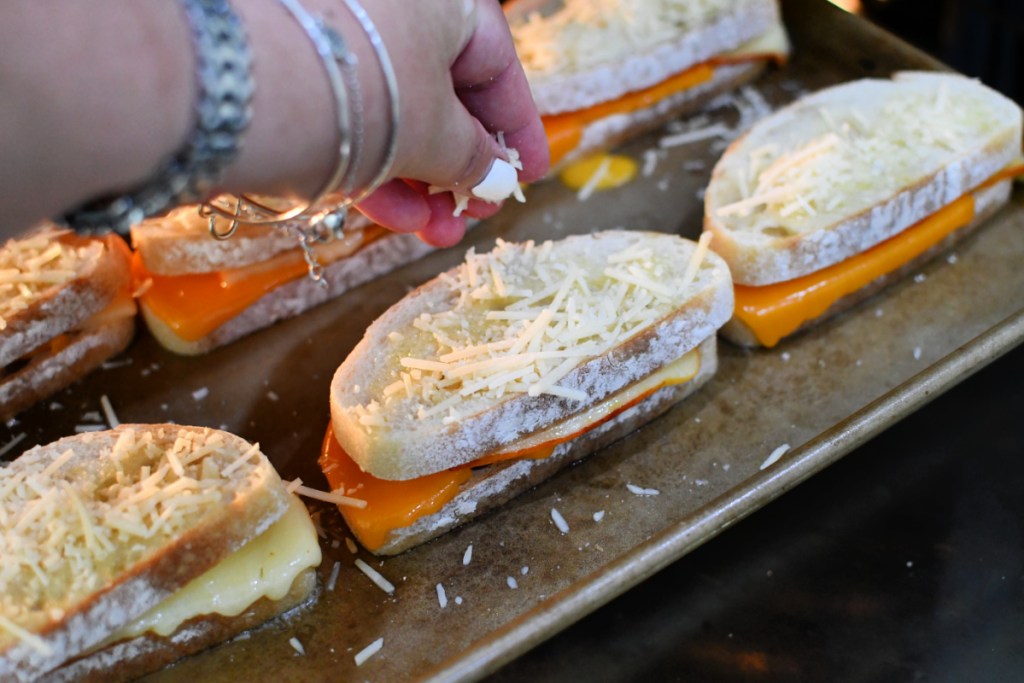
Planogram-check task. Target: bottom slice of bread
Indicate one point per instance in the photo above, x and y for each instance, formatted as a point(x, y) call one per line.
point(48, 372)
point(492, 486)
point(130, 659)
point(987, 203)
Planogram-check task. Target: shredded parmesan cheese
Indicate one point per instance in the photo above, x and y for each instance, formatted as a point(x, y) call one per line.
point(375, 576)
point(369, 651)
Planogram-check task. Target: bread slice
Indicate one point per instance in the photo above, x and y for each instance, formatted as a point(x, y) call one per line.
point(180, 244)
point(132, 659)
point(56, 366)
point(578, 53)
point(611, 131)
point(52, 281)
point(515, 340)
point(492, 486)
point(843, 169)
point(987, 203)
point(96, 531)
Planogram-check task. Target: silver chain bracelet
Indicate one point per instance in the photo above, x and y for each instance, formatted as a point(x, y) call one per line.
point(223, 112)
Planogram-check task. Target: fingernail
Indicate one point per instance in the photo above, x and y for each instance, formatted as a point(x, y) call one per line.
point(499, 183)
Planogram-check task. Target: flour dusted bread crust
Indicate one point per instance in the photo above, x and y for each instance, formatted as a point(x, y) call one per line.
point(843, 169)
point(492, 486)
point(131, 659)
point(50, 370)
point(180, 244)
point(96, 531)
point(578, 54)
point(517, 339)
point(65, 307)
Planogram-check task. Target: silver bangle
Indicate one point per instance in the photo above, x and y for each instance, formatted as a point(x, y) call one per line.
point(223, 112)
point(339, 64)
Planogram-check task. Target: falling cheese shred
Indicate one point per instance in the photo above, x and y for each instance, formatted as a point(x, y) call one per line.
point(523, 318)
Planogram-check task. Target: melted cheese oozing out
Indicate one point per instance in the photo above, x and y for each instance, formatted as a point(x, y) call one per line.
point(599, 172)
point(192, 306)
point(265, 567)
point(774, 311)
point(397, 504)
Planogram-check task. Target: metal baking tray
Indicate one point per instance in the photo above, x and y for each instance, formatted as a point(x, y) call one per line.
point(823, 393)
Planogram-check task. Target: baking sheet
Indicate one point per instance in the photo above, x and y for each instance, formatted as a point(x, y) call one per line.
point(823, 393)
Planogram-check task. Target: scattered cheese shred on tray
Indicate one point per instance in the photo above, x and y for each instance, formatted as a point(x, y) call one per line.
point(375, 576)
point(559, 521)
point(369, 651)
point(775, 456)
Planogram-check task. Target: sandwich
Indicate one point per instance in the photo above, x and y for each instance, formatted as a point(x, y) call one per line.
point(197, 293)
point(65, 307)
point(501, 371)
point(821, 204)
point(124, 550)
point(603, 71)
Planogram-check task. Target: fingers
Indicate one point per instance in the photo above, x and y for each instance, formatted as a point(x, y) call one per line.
point(405, 206)
point(490, 83)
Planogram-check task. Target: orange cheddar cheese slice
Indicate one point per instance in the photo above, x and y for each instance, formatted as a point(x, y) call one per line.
point(196, 304)
point(774, 311)
point(394, 505)
point(565, 131)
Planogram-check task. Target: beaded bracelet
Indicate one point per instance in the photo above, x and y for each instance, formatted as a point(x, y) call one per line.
point(223, 113)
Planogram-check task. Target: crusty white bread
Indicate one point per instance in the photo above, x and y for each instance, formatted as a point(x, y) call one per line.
point(575, 321)
point(96, 531)
point(131, 659)
point(847, 167)
point(182, 245)
point(492, 486)
point(51, 282)
point(51, 369)
point(987, 203)
point(578, 53)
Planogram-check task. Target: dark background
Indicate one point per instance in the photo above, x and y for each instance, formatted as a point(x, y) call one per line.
point(981, 38)
point(903, 562)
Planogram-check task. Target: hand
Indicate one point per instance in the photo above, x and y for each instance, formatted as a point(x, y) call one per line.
point(460, 83)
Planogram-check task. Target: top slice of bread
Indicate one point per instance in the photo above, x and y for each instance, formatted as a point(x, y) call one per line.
point(180, 243)
point(578, 53)
point(100, 527)
point(51, 281)
point(514, 340)
point(847, 167)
